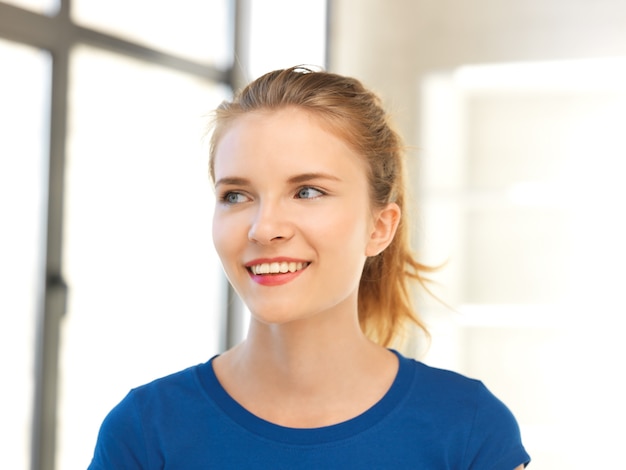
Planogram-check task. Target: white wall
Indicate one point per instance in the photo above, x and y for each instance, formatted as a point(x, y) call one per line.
point(392, 44)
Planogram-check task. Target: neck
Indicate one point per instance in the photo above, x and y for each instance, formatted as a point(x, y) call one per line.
point(312, 372)
point(306, 350)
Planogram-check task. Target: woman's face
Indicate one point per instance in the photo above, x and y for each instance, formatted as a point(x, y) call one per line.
point(293, 221)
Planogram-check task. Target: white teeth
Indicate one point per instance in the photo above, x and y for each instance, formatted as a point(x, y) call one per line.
point(276, 268)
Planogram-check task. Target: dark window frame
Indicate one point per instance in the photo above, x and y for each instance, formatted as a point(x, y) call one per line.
point(58, 34)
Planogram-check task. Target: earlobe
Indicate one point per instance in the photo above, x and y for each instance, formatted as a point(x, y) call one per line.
point(386, 223)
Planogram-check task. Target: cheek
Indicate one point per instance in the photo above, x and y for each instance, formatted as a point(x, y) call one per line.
point(215, 233)
point(345, 231)
point(222, 240)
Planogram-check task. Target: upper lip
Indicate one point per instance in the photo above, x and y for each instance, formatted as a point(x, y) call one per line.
point(280, 259)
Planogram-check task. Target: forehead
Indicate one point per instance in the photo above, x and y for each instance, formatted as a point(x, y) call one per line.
point(286, 139)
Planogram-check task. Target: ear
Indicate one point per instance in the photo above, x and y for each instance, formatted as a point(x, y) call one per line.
point(384, 228)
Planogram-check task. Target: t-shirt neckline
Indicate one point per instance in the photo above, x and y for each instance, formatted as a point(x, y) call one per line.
point(308, 436)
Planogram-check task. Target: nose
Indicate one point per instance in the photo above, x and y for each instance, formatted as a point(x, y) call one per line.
point(271, 224)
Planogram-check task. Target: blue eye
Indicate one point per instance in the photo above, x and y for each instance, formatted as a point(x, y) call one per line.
point(308, 193)
point(233, 198)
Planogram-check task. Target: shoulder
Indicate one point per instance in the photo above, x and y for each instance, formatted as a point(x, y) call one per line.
point(161, 395)
point(145, 414)
point(446, 385)
point(181, 382)
point(475, 420)
point(456, 394)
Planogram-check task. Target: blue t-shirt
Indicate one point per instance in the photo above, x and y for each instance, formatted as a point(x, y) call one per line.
point(430, 419)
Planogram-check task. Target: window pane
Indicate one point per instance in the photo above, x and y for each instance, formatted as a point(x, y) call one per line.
point(23, 171)
point(195, 29)
point(285, 33)
point(48, 7)
point(145, 287)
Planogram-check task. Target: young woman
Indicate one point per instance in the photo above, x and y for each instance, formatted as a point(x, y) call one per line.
point(310, 229)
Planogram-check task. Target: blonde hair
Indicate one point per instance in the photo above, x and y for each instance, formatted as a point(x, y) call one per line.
point(356, 115)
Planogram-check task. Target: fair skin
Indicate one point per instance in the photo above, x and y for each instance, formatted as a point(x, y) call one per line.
point(291, 192)
point(292, 197)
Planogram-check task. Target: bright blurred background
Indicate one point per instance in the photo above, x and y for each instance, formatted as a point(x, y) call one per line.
point(515, 117)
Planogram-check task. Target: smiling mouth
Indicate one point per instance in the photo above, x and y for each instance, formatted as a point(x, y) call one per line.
point(277, 267)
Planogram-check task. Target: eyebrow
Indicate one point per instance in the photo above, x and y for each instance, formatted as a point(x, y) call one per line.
point(304, 177)
point(296, 179)
point(232, 180)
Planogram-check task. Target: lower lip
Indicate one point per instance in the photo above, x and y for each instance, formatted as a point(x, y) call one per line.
point(275, 279)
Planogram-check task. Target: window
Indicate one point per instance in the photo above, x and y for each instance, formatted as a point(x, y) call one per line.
point(104, 190)
point(145, 287)
point(193, 29)
point(124, 161)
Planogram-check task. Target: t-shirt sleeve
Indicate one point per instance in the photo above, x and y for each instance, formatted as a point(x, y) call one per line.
point(121, 441)
point(495, 442)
